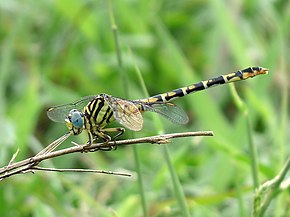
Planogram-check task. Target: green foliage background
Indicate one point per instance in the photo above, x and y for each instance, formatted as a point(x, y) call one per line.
point(54, 52)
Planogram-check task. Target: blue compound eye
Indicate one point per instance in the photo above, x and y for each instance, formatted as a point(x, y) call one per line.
point(76, 118)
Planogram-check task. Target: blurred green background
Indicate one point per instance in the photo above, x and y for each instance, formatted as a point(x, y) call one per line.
point(54, 52)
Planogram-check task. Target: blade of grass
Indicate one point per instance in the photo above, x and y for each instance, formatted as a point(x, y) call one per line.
point(174, 178)
point(282, 129)
point(226, 19)
point(267, 191)
point(126, 89)
point(252, 150)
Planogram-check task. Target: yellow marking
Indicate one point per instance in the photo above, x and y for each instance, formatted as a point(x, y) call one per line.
point(171, 93)
point(204, 84)
point(101, 113)
point(255, 73)
point(263, 71)
point(163, 97)
point(184, 90)
point(91, 110)
point(191, 87)
point(233, 77)
point(152, 99)
point(225, 78)
point(68, 124)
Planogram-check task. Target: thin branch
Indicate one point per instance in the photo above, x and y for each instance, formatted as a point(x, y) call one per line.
point(80, 171)
point(29, 164)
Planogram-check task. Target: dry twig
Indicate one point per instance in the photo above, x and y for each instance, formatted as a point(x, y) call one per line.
point(30, 164)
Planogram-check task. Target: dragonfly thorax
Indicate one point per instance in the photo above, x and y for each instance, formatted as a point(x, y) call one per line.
point(75, 121)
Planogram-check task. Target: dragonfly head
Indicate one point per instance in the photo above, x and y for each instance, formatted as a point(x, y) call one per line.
point(75, 121)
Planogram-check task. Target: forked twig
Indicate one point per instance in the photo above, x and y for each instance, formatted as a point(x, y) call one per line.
point(30, 164)
point(13, 157)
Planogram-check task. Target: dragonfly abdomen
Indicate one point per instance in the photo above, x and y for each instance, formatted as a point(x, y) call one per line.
point(222, 79)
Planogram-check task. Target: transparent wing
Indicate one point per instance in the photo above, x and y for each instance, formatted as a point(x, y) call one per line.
point(59, 113)
point(125, 112)
point(168, 110)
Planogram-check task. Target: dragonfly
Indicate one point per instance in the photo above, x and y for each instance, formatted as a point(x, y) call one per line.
point(94, 113)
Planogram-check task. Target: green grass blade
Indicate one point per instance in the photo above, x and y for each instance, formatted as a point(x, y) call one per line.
point(127, 95)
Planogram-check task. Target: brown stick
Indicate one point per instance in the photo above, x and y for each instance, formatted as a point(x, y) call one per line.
point(29, 164)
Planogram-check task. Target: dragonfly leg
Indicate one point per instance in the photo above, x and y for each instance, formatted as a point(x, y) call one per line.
point(119, 131)
point(103, 134)
point(92, 138)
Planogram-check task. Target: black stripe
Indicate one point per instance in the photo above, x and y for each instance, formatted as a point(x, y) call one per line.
point(250, 70)
point(100, 106)
point(158, 97)
point(109, 117)
point(89, 109)
point(196, 87)
point(255, 68)
point(178, 93)
point(142, 107)
point(92, 106)
point(237, 74)
point(105, 115)
point(88, 121)
point(215, 81)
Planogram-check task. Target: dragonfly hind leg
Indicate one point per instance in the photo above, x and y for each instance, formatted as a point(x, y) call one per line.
point(103, 134)
point(118, 130)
